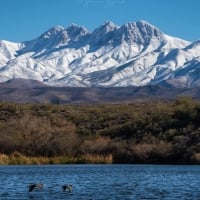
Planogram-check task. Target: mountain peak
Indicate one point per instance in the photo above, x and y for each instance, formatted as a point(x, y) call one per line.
point(103, 34)
point(109, 25)
point(140, 32)
point(148, 29)
point(75, 29)
point(145, 28)
point(144, 22)
point(106, 27)
point(52, 32)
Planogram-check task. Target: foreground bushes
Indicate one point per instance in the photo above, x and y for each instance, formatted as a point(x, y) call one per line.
point(150, 132)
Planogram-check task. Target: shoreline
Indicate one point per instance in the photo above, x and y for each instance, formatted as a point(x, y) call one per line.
point(19, 159)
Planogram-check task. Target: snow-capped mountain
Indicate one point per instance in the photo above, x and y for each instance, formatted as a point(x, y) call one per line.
point(133, 54)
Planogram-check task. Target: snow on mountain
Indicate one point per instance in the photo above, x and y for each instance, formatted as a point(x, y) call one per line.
point(135, 53)
point(7, 51)
point(53, 39)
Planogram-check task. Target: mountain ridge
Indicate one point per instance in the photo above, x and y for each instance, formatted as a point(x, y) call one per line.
point(133, 54)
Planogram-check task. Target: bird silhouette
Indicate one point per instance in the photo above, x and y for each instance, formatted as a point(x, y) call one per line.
point(36, 185)
point(67, 187)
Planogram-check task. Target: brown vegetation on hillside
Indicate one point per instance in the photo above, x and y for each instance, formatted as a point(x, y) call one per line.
point(153, 132)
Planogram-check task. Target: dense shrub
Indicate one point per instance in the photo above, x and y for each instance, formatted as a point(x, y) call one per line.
point(162, 132)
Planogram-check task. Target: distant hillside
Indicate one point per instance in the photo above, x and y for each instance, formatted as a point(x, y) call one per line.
point(27, 91)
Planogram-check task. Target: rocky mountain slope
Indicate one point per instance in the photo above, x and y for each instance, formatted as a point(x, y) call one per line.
point(133, 54)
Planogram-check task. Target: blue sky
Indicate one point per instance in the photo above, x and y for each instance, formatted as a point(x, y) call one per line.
point(22, 20)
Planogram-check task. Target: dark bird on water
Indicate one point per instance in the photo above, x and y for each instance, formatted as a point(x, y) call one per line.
point(67, 187)
point(36, 185)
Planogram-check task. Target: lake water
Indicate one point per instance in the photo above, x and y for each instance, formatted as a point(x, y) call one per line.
point(99, 182)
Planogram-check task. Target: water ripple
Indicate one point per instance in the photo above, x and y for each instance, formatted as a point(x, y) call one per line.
point(98, 182)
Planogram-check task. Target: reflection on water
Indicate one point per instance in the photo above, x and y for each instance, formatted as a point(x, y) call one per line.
point(101, 182)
